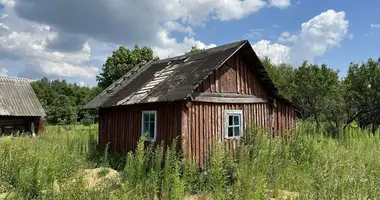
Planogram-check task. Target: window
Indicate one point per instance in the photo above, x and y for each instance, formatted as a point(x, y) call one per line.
point(233, 120)
point(149, 125)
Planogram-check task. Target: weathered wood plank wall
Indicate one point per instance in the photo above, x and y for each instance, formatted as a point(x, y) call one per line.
point(205, 123)
point(239, 78)
point(121, 126)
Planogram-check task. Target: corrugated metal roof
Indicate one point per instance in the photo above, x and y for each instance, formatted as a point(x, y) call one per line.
point(17, 98)
point(176, 78)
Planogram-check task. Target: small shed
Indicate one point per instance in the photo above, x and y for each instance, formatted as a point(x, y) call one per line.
point(211, 95)
point(20, 109)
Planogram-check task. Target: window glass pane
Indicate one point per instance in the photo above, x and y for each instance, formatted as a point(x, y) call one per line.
point(230, 132)
point(146, 117)
point(151, 128)
point(146, 128)
point(152, 117)
point(236, 120)
point(230, 120)
point(236, 131)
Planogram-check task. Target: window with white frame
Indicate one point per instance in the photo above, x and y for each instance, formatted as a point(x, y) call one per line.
point(149, 125)
point(233, 123)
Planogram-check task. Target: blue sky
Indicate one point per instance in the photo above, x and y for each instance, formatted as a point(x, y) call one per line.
point(71, 39)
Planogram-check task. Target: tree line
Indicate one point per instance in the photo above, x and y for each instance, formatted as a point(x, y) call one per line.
point(326, 98)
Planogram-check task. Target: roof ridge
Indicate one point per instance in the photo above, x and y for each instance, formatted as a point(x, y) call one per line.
point(14, 79)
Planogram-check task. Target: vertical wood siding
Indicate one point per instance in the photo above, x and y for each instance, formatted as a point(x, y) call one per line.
point(205, 123)
point(121, 126)
point(234, 77)
point(284, 118)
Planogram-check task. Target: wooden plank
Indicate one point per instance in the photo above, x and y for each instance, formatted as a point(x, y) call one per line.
point(212, 82)
point(217, 77)
point(238, 75)
point(226, 98)
point(201, 133)
point(193, 132)
point(245, 77)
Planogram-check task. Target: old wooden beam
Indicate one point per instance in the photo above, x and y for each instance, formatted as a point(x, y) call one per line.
point(226, 98)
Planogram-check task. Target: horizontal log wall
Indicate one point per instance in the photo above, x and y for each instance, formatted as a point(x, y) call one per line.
point(234, 77)
point(121, 126)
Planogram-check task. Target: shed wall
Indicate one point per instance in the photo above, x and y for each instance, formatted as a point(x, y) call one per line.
point(121, 126)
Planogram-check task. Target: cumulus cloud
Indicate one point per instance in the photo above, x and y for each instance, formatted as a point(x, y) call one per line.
point(128, 21)
point(25, 42)
point(280, 3)
point(375, 25)
point(175, 26)
point(3, 72)
point(168, 47)
point(317, 35)
point(44, 39)
point(287, 37)
point(276, 52)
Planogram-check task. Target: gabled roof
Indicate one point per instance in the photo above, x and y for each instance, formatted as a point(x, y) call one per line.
point(17, 98)
point(176, 78)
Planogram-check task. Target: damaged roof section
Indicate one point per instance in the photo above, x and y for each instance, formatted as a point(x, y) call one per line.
point(175, 78)
point(17, 98)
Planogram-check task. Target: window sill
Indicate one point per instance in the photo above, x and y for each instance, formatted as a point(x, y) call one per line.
point(149, 140)
point(233, 138)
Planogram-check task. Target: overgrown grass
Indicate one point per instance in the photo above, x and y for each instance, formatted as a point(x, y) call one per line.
point(307, 162)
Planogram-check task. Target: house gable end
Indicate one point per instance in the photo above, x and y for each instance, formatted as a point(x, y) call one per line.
point(236, 76)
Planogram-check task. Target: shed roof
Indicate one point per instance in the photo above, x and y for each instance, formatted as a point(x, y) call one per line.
point(17, 98)
point(176, 78)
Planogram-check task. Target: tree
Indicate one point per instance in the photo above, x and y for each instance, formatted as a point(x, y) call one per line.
point(194, 49)
point(282, 76)
point(120, 62)
point(313, 88)
point(63, 102)
point(363, 93)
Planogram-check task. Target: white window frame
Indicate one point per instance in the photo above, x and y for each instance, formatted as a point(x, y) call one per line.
point(228, 113)
point(155, 124)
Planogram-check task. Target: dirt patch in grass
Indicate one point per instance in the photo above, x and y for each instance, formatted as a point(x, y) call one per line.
point(100, 178)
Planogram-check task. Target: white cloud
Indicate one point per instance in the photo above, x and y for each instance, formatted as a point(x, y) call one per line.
point(287, 37)
point(175, 26)
point(169, 47)
point(41, 38)
point(10, 3)
point(317, 35)
point(276, 52)
point(29, 46)
point(375, 25)
point(280, 3)
point(82, 84)
point(3, 72)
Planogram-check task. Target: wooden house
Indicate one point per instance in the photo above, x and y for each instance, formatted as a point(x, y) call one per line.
point(20, 109)
point(214, 94)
